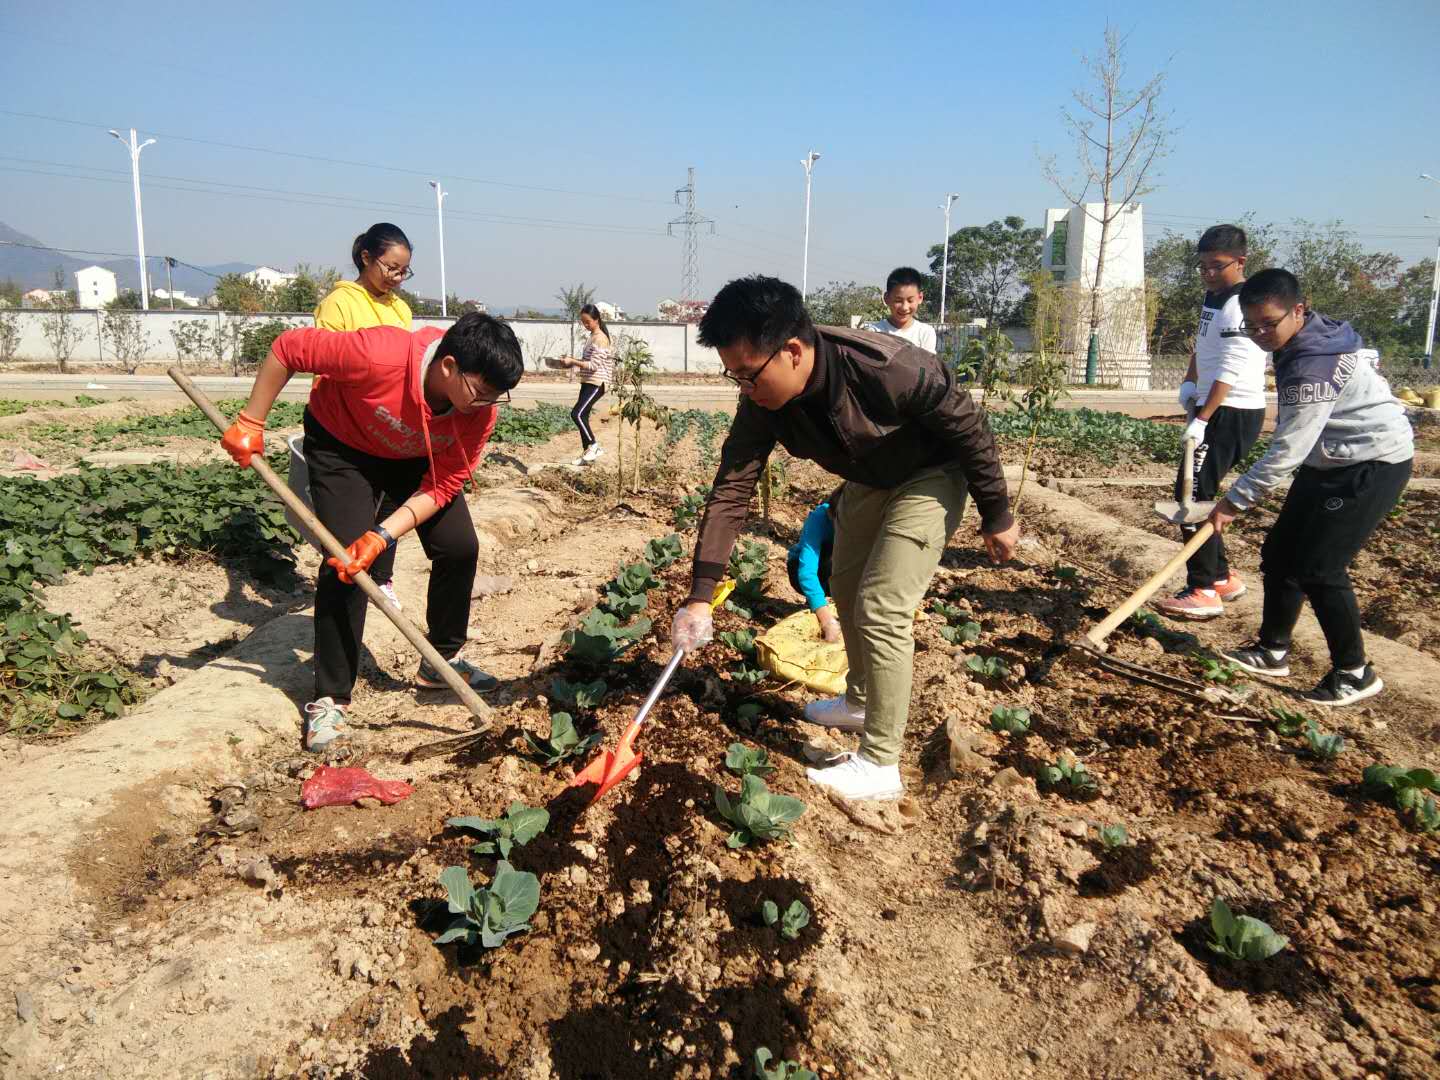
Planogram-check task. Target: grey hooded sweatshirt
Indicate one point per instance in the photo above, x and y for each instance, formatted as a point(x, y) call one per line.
point(1335, 409)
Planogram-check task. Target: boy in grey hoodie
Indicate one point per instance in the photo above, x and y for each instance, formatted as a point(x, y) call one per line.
point(1338, 423)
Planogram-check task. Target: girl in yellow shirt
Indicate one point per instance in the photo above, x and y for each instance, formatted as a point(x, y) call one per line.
point(382, 261)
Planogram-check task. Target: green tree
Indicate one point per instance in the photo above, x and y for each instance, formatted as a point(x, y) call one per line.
point(836, 303)
point(1416, 285)
point(11, 295)
point(1340, 279)
point(301, 293)
point(125, 300)
point(989, 265)
point(1174, 290)
point(572, 299)
point(236, 293)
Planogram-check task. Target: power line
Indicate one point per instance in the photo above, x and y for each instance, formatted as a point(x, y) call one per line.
point(692, 220)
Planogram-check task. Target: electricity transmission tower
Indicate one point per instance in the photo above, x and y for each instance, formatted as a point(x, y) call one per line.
point(692, 219)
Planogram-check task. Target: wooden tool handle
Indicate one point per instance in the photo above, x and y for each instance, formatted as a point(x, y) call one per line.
point(1187, 474)
point(1101, 630)
point(452, 678)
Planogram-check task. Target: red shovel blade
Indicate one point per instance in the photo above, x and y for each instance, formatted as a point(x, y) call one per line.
point(607, 770)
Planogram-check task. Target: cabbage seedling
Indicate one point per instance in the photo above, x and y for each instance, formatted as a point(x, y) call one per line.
point(748, 676)
point(782, 1070)
point(520, 825)
point(583, 697)
point(949, 612)
point(1323, 744)
point(742, 641)
point(1412, 790)
point(1070, 775)
point(1286, 723)
point(1239, 937)
point(989, 667)
point(794, 919)
point(748, 713)
point(1217, 671)
point(600, 638)
point(1067, 573)
point(564, 742)
point(1113, 837)
point(660, 553)
point(1011, 720)
point(964, 634)
point(745, 760)
point(489, 915)
point(758, 813)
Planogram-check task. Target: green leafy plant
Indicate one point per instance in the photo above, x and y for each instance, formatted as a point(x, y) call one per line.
point(1286, 723)
point(1240, 937)
point(1070, 776)
point(707, 427)
point(628, 592)
point(748, 675)
point(661, 552)
point(748, 713)
point(792, 920)
point(781, 1070)
point(492, 914)
point(687, 511)
point(1219, 672)
point(1113, 837)
point(988, 667)
point(757, 813)
point(531, 426)
point(1426, 815)
point(601, 638)
point(965, 634)
point(745, 760)
point(1012, 720)
point(1067, 574)
point(519, 825)
point(742, 641)
point(748, 569)
point(949, 612)
point(1323, 744)
point(1411, 790)
point(564, 741)
point(582, 697)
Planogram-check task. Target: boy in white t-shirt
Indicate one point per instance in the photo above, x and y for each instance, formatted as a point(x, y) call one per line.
point(904, 293)
point(1224, 399)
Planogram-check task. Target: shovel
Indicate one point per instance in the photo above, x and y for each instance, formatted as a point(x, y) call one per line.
point(609, 768)
point(452, 678)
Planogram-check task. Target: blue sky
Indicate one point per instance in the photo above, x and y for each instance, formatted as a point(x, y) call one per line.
point(606, 106)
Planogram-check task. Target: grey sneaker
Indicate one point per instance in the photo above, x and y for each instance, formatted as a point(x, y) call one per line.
point(430, 679)
point(324, 723)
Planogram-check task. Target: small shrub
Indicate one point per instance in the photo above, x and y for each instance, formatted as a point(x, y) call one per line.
point(1239, 937)
point(520, 825)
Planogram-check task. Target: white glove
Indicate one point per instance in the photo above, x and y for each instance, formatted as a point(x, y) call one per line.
point(1196, 430)
point(691, 628)
point(1188, 393)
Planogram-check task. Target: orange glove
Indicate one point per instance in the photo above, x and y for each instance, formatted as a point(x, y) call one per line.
point(245, 437)
point(362, 553)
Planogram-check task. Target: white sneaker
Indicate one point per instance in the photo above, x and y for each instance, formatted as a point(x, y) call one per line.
point(595, 451)
point(836, 712)
point(389, 590)
point(857, 778)
point(323, 721)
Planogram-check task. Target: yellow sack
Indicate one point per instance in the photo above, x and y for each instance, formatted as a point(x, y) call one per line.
point(793, 650)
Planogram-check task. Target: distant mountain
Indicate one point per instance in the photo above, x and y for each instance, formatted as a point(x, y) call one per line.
point(33, 266)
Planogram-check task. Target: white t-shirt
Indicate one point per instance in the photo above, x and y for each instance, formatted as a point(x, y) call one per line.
point(917, 333)
point(1225, 353)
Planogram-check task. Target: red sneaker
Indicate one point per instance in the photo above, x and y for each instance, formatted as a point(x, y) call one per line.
point(1232, 588)
point(1196, 604)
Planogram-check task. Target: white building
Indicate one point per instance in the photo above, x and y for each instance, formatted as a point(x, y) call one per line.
point(268, 277)
point(41, 297)
point(180, 296)
point(1069, 254)
point(610, 312)
point(95, 287)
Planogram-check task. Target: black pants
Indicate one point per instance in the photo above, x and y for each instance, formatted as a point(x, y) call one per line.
point(1228, 438)
point(589, 394)
point(1327, 518)
point(347, 485)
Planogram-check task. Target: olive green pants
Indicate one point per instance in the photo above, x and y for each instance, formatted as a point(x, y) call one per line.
point(888, 542)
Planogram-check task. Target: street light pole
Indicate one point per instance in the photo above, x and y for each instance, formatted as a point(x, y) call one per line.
point(440, 194)
point(808, 161)
point(135, 149)
point(945, 259)
point(1434, 292)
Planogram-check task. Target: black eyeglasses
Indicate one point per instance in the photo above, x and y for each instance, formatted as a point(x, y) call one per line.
point(1265, 327)
point(750, 380)
point(475, 399)
point(1211, 268)
point(395, 272)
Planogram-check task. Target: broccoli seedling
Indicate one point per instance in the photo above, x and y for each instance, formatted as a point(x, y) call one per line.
point(782, 1070)
point(742, 641)
point(492, 914)
point(964, 634)
point(628, 593)
point(745, 760)
point(1286, 723)
point(1070, 775)
point(583, 697)
point(794, 919)
point(564, 741)
point(746, 675)
point(1323, 744)
point(1412, 791)
point(687, 512)
point(1220, 672)
point(600, 638)
point(1113, 837)
point(1240, 937)
point(949, 612)
point(520, 825)
point(660, 553)
point(757, 813)
point(989, 667)
point(1011, 720)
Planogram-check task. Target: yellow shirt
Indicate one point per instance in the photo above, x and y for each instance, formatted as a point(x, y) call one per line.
point(351, 307)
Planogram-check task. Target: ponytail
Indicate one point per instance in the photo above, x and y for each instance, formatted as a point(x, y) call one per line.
point(377, 240)
point(594, 313)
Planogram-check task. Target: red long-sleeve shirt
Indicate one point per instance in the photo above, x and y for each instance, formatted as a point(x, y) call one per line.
point(372, 399)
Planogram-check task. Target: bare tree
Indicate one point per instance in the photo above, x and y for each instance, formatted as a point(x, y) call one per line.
point(61, 331)
point(127, 337)
point(573, 298)
point(1118, 164)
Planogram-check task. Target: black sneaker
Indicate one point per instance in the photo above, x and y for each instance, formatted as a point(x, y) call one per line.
point(1340, 688)
point(480, 681)
point(1258, 660)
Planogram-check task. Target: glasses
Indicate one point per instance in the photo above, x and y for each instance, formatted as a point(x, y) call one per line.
point(1213, 268)
point(476, 399)
point(750, 380)
point(394, 271)
point(1263, 328)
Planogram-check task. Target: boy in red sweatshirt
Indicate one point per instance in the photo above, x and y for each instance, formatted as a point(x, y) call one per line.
point(398, 414)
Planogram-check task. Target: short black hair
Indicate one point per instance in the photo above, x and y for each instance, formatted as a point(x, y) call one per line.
point(904, 275)
point(377, 240)
point(484, 345)
point(762, 311)
point(1274, 284)
point(1224, 239)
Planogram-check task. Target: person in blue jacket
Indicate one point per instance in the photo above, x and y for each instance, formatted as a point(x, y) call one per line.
point(808, 563)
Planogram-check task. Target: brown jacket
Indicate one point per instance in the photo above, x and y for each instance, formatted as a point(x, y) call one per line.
point(876, 410)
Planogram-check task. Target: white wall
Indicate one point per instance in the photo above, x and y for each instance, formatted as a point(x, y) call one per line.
point(673, 344)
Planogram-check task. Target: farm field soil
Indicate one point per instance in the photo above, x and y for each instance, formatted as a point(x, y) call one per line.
point(1396, 575)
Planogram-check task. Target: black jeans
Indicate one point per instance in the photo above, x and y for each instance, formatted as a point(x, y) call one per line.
point(589, 394)
point(1228, 438)
point(346, 486)
point(1327, 518)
